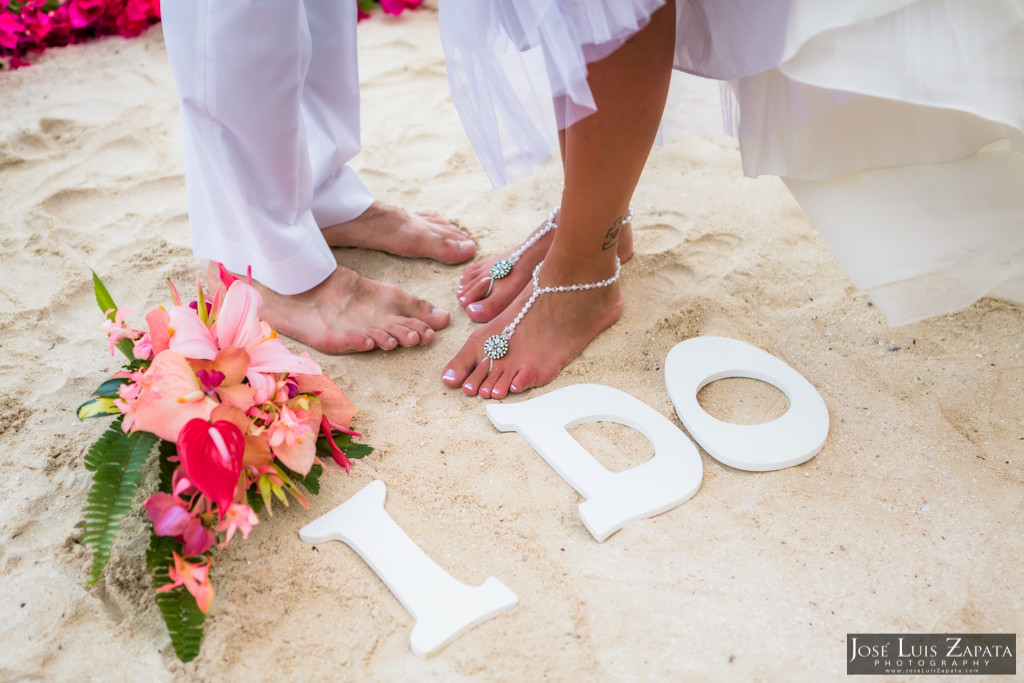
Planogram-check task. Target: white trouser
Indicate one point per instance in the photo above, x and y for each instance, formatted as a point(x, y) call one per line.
point(269, 94)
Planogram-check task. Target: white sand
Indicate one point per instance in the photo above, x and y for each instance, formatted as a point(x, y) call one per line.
point(909, 520)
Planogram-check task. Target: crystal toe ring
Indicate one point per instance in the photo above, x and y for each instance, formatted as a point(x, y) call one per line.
point(496, 346)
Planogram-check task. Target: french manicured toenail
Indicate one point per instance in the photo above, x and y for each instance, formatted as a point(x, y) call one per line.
point(448, 375)
point(467, 386)
point(514, 388)
point(475, 308)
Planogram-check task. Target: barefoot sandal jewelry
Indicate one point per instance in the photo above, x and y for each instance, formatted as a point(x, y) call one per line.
point(503, 267)
point(496, 346)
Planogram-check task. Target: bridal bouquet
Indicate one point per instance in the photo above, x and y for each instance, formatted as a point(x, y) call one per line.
point(235, 420)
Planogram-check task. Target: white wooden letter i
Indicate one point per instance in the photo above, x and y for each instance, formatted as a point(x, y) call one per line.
point(442, 607)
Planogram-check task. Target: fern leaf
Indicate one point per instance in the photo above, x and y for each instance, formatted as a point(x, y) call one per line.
point(182, 616)
point(97, 454)
point(114, 485)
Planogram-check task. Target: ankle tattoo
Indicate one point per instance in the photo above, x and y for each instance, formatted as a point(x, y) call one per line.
point(611, 238)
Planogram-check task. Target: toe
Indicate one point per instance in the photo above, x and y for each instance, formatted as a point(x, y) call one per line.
point(437, 319)
point(474, 292)
point(483, 310)
point(472, 274)
point(422, 330)
point(501, 385)
point(522, 380)
point(472, 384)
point(459, 368)
point(404, 335)
point(382, 338)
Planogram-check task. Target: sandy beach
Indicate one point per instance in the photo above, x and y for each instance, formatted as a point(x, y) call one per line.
point(908, 520)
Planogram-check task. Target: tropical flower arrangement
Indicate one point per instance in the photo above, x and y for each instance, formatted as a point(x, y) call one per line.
point(31, 26)
point(232, 420)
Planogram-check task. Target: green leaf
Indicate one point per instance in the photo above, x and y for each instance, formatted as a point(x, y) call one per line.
point(110, 387)
point(114, 485)
point(103, 298)
point(109, 308)
point(167, 449)
point(367, 5)
point(101, 406)
point(98, 453)
point(182, 616)
point(311, 482)
point(356, 451)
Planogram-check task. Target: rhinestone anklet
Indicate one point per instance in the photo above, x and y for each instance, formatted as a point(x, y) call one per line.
point(503, 267)
point(496, 346)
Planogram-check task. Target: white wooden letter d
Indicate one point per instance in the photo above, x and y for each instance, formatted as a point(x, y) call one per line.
point(613, 498)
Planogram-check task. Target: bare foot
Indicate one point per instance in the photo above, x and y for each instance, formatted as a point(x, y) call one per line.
point(482, 307)
point(417, 234)
point(348, 313)
point(554, 331)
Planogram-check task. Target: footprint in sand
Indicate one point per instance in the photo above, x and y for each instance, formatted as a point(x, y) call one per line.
point(660, 237)
point(121, 158)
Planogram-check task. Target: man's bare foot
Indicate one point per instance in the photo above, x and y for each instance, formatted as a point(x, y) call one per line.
point(475, 282)
point(417, 234)
point(555, 330)
point(348, 313)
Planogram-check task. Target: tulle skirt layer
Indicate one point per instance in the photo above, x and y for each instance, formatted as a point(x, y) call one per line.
point(898, 125)
point(518, 68)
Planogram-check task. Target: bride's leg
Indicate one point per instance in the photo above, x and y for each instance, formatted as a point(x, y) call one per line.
point(604, 156)
point(484, 298)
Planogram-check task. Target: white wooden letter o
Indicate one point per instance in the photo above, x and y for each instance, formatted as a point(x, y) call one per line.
point(794, 438)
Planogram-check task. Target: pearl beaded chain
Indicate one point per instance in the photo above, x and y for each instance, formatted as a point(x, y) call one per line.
point(496, 346)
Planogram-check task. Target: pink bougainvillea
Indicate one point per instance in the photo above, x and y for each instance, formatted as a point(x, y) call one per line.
point(30, 26)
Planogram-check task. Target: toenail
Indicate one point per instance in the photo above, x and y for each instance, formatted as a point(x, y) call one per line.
point(467, 386)
point(448, 375)
point(514, 388)
point(475, 308)
point(466, 244)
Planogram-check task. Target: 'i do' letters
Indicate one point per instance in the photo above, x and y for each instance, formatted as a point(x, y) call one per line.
point(444, 608)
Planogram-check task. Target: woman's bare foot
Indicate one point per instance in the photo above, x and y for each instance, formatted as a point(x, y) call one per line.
point(482, 307)
point(555, 330)
point(417, 234)
point(348, 313)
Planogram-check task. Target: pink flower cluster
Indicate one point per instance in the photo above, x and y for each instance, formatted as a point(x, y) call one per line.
point(242, 410)
point(392, 7)
point(34, 25)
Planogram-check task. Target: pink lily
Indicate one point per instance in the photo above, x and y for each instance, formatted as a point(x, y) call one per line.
point(212, 458)
point(171, 396)
point(335, 405)
point(117, 329)
point(238, 517)
point(195, 577)
point(292, 437)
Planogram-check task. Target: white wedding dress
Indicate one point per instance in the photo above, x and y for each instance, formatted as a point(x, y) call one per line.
point(898, 125)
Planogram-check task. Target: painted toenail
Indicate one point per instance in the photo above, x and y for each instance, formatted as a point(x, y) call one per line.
point(475, 308)
point(448, 375)
point(467, 386)
point(514, 388)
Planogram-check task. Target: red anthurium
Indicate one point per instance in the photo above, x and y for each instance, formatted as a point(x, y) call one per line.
point(212, 458)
